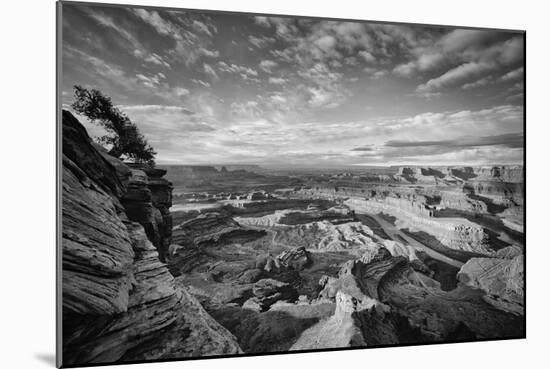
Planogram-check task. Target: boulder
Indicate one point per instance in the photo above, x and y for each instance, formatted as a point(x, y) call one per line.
point(268, 291)
point(253, 304)
point(297, 259)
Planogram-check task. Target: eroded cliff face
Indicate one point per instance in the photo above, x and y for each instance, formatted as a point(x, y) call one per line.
point(147, 201)
point(455, 233)
point(386, 301)
point(120, 302)
point(468, 209)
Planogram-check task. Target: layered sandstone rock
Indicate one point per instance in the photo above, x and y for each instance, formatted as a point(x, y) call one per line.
point(455, 233)
point(118, 298)
point(269, 291)
point(353, 237)
point(340, 330)
point(147, 200)
point(296, 259)
point(266, 221)
point(460, 201)
point(192, 237)
point(386, 301)
point(502, 279)
point(211, 228)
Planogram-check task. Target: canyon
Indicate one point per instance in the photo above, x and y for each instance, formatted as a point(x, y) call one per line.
point(185, 261)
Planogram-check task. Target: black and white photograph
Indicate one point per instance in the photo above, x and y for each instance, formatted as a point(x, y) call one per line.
point(238, 184)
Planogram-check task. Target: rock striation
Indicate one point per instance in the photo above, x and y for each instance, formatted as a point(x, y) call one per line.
point(120, 302)
point(455, 233)
point(147, 201)
point(501, 279)
point(191, 237)
point(267, 292)
point(386, 300)
point(296, 259)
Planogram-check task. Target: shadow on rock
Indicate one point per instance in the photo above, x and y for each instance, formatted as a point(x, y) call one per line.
point(262, 332)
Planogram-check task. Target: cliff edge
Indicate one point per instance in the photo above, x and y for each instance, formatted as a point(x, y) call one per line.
point(120, 302)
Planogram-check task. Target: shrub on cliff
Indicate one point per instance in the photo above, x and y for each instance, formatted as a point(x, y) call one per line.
point(123, 136)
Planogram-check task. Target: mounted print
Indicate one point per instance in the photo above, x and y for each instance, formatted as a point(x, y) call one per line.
point(237, 184)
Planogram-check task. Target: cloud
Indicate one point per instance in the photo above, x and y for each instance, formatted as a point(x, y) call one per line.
point(368, 57)
point(191, 37)
point(430, 61)
point(201, 82)
point(512, 75)
point(202, 27)
point(278, 99)
point(209, 53)
point(460, 39)
point(277, 81)
point(248, 110)
point(245, 73)
point(154, 19)
point(180, 91)
point(234, 68)
point(325, 87)
point(364, 148)
point(455, 76)
point(511, 140)
point(260, 41)
point(155, 108)
point(268, 65)
point(152, 81)
point(108, 22)
point(285, 28)
point(405, 70)
point(479, 83)
point(458, 57)
point(326, 43)
point(263, 21)
point(375, 73)
point(321, 98)
point(323, 92)
point(512, 51)
point(157, 59)
point(285, 55)
point(210, 72)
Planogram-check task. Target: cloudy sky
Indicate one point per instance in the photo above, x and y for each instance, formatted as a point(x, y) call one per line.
point(209, 88)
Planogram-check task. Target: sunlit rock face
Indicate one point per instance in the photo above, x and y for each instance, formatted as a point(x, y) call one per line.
point(118, 296)
point(456, 233)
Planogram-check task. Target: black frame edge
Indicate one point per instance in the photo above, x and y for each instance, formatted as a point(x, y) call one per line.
point(59, 39)
point(58, 184)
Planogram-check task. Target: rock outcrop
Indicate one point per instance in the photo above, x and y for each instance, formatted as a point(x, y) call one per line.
point(455, 233)
point(120, 303)
point(269, 291)
point(502, 279)
point(147, 201)
point(193, 236)
point(340, 330)
point(296, 259)
point(386, 301)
